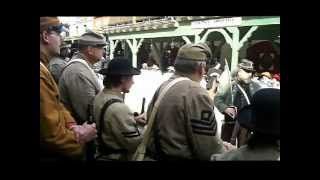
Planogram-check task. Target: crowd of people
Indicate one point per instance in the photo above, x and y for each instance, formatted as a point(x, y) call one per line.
point(83, 116)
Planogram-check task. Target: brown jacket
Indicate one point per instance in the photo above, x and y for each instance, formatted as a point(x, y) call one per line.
point(185, 124)
point(56, 140)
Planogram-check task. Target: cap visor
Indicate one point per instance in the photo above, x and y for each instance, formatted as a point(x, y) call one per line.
point(101, 45)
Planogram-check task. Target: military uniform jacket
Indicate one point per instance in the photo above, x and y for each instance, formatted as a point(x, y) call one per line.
point(121, 131)
point(56, 140)
point(267, 152)
point(223, 98)
point(55, 67)
point(185, 126)
point(78, 87)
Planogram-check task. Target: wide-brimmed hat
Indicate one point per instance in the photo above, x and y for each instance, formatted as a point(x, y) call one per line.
point(263, 114)
point(120, 66)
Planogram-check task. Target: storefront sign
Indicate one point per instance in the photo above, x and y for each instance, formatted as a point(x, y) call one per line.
point(215, 23)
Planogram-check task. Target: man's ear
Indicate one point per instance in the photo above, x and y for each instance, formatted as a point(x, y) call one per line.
point(44, 37)
point(201, 69)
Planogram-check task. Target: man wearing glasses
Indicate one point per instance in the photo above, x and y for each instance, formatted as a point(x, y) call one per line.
point(60, 136)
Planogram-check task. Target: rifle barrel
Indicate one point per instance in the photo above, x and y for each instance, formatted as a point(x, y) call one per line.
point(142, 107)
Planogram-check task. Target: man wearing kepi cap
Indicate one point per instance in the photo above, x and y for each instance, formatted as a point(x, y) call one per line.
point(60, 137)
point(118, 132)
point(79, 84)
point(184, 127)
point(262, 118)
point(230, 100)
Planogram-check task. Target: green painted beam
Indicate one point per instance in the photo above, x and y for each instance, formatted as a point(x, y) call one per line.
point(260, 21)
point(186, 39)
point(134, 47)
point(220, 30)
point(186, 29)
point(113, 46)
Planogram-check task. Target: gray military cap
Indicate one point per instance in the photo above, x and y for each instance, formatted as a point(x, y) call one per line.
point(194, 52)
point(91, 38)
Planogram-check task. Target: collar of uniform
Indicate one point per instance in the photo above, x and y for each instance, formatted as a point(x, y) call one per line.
point(82, 56)
point(113, 92)
point(44, 58)
point(178, 75)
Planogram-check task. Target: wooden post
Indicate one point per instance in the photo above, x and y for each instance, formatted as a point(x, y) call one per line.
point(134, 46)
point(113, 47)
point(196, 38)
point(235, 47)
point(134, 53)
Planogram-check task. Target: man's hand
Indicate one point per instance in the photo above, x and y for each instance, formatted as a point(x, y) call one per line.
point(231, 111)
point(141, 119)
point(85, 133)
point(212, 91)
point(229, 146)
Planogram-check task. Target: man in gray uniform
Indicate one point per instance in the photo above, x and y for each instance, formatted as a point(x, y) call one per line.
point(262, 118)
point(58, 62)
point(79, 83)
point(185, 126)
point(230, 100)
point(118, 129)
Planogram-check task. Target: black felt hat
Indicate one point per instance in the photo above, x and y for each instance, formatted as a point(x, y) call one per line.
point(263, 114)
point(120, 66)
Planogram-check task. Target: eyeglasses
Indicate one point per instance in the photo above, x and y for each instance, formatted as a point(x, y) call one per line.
point(60, 30)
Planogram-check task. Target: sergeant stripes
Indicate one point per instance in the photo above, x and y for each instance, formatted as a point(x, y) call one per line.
point(205, 126)
point(131, 134)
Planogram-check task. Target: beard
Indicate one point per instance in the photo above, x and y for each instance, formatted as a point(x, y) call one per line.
point(54, 51)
